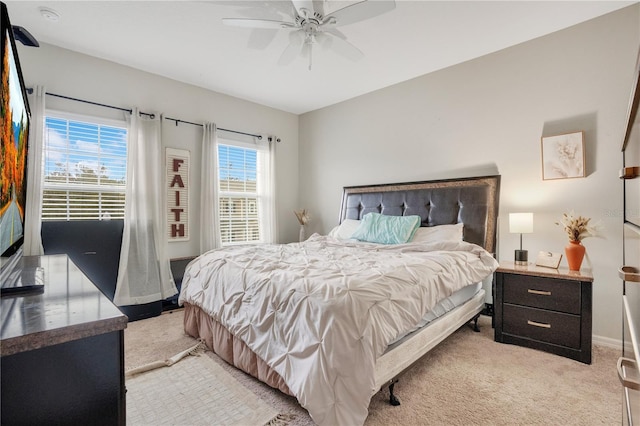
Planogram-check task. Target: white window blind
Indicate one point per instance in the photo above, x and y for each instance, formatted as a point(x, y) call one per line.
point(238, 194)
point(85, 166)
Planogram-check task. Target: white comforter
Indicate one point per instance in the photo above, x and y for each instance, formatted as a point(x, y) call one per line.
point(321, 312)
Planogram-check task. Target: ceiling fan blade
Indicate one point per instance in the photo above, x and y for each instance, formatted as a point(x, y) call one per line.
point(341, 46)
point(360, 11)
point(263, 9)
point(324, 40)
point(318, 6)
point(257, 23)
point(335, 32)
point(296, 43)
point(260, 38)
point(302, 6)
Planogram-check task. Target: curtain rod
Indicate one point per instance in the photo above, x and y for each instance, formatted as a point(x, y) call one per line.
point(177, 120)
point(30, 91)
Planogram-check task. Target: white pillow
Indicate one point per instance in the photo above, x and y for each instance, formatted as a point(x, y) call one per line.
point(345, 230)
point(438, 233)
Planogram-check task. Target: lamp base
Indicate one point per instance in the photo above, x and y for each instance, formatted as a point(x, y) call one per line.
point(521, 257)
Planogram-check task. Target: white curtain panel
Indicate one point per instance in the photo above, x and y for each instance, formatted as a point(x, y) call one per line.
point(32, 237)
point(209, 217)
point(144, 274)
point(266, 189)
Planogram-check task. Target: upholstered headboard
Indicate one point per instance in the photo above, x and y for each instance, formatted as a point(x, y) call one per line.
point(472, 201)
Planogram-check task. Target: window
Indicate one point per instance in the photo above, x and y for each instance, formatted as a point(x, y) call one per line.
point(85, 167)
point(239, 199)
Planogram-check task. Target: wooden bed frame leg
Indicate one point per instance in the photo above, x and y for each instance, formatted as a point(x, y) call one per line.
point(475, 327)
point(393, 400)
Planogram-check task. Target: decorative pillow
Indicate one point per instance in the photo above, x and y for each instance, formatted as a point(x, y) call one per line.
point(345, 229)
point(432, 234)
point(377, 228)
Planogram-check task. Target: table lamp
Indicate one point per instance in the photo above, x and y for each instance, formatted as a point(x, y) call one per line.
point(521, 223)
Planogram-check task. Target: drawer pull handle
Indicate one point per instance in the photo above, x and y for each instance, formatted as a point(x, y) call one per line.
point(539, 292)
point(538, 324)
point(627, 382)
point(90, 253)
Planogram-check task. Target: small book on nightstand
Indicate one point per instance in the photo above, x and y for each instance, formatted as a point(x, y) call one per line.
point(548, 259)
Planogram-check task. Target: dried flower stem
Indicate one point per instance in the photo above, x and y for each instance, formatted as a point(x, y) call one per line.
point(577, 228)
point(303, 216)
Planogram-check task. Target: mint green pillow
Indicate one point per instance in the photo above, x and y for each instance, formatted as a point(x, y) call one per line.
point(381, 229)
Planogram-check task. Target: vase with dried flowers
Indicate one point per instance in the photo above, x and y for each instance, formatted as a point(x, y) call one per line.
point(303, 218)
point(577, 228)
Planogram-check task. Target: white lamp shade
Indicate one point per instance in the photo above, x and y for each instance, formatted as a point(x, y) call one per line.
point(521, 223)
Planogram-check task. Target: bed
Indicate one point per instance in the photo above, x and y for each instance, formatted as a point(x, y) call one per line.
point(333, 320)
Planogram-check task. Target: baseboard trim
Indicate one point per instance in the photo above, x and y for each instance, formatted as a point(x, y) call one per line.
point(609, 343)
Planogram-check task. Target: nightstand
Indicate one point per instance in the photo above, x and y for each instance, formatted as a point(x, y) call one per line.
point(544, 308)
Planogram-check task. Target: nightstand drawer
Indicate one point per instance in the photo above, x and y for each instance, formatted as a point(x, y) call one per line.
point(545, 326)
point(545, 293)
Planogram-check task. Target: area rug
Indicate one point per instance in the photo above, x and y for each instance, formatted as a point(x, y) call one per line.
point(468, 379)
point(192, 389)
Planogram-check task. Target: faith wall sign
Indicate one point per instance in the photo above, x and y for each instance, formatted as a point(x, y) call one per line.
point(177, 194)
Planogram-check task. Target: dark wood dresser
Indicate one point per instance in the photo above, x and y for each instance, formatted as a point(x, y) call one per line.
point(544, 308)
point(62, 351)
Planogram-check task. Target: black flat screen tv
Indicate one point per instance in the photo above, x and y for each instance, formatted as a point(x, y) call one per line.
point(15, 140)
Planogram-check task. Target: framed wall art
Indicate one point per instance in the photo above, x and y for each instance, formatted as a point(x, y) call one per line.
point(563, 156)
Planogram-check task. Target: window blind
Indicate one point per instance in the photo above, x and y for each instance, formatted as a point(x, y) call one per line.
point(85, 164)
point(238, 196)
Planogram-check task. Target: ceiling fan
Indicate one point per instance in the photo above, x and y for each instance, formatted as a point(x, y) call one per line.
point(310, 25)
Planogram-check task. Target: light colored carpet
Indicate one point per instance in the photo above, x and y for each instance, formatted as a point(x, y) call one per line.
point(195, 390)
point(467, 380)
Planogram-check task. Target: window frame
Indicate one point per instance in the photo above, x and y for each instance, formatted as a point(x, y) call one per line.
point(251, 208)
point(70, 188)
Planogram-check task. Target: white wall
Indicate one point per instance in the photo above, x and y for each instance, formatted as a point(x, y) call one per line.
point(482, 117)
point(487, 116)
point(80, 76)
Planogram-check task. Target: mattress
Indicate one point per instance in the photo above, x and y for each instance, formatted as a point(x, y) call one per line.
point(444, 306)
point(413, 346)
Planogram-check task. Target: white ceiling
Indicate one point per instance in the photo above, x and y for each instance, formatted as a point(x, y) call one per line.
point(186, 41)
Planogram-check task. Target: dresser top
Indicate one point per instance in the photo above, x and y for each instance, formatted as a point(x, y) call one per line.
point(70, 308)
point(510, 267)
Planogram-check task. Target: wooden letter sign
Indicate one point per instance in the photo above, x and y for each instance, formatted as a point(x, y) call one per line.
point(178, 194)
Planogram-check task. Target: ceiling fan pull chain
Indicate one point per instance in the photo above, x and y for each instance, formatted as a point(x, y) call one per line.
point(310, 55)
